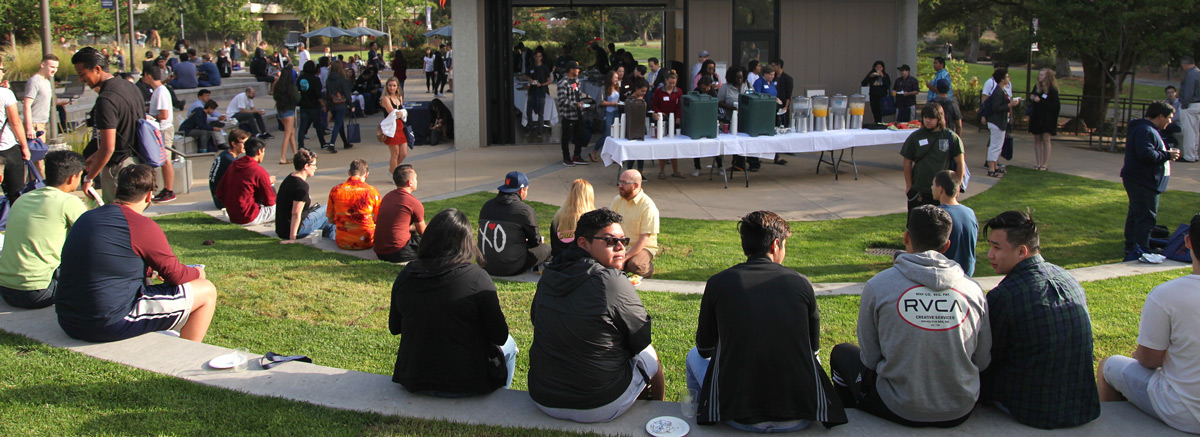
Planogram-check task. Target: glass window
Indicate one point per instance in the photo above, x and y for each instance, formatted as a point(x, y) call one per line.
point(754, 14)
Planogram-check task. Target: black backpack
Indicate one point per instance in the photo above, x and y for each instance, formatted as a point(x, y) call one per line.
point(258, 66)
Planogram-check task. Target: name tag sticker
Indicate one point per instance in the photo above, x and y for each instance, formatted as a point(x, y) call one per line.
point(666, 98)
point(1044, 96)
point(923, 142)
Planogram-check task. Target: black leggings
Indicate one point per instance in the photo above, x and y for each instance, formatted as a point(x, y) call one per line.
point(14, 172)
point(430, 81)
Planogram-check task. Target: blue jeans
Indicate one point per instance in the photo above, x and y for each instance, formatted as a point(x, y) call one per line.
point(316, 220)
point(1143, 210)
point(339, 128)
point(510, 361)
point(696, 367)
point(609, 119)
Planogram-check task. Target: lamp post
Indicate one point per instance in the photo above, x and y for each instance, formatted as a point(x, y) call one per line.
point(1033, 47)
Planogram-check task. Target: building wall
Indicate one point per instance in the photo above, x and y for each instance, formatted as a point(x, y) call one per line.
point(825, 44)
point(709, 27)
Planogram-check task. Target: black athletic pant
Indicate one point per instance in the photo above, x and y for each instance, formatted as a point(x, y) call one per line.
point(855, 385)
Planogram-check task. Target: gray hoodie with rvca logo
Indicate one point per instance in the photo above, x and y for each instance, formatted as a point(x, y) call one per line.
point(923, 327)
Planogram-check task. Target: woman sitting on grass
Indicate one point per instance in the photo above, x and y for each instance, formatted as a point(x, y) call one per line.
point(454, 339)
point(580, 199)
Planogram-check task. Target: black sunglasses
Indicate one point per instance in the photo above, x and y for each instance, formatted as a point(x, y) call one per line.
point(612, 241)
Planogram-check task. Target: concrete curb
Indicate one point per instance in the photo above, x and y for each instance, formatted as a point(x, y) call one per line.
point(359, 391)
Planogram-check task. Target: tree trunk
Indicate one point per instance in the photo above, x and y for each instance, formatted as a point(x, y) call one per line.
point(1062, 66)
point(976, 33)
point(12, 39)
point(1096, 90)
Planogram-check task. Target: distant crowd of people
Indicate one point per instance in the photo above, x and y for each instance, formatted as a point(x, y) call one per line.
point(931, 345)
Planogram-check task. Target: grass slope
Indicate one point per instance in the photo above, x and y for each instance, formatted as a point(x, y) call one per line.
point(1081, 220)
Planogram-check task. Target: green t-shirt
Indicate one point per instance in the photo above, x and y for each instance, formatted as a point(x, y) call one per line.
point(37, 227)
point(930, 152)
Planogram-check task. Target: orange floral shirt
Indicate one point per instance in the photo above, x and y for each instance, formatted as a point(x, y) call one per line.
point(353, 208)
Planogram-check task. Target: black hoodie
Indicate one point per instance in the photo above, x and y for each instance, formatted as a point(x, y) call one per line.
point(451, 328)
point(588, 322)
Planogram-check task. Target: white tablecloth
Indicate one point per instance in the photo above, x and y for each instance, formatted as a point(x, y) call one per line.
point(550, 112)
point(767, 146)
point(616, 151)
point(742, 144)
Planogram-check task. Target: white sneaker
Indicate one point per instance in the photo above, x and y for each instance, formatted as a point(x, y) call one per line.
point(696, 173)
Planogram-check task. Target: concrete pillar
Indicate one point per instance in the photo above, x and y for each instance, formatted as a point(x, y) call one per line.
point(906, 33)
point(470, 120)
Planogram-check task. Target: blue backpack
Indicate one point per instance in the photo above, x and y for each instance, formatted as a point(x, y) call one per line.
point(1176, 249)
point(150, 146)
point(985, 108)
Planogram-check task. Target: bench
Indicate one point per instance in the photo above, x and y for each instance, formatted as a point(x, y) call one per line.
point(343, 389)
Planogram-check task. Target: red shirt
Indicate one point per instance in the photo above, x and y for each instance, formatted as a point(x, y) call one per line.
point(244, 189)
point(398, 211)
point(669, 103)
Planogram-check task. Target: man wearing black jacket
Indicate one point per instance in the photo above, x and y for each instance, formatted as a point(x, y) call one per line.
point(591, 356)
point(752, 311)
point(508, 230)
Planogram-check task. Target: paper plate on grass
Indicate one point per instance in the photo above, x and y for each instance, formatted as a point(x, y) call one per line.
point(667, 426)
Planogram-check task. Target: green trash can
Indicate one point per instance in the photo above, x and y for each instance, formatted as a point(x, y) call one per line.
point(699, 116)
point(756, 114)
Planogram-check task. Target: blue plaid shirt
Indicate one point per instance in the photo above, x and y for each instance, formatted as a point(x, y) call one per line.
point(1041, 367)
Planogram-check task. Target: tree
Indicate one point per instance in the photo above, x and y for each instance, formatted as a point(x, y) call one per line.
point(968, 18)
point(224, 17)
point(68, 18)
point(1113, 38)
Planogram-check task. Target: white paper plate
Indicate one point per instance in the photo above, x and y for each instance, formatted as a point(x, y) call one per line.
point(227, 361)
point(667, 426)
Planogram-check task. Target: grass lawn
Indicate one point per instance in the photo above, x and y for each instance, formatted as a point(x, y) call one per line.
point(1082, 224)
point(640, 53)
point(1071, 86)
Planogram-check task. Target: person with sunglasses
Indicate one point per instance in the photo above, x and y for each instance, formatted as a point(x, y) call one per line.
point(591, 356)
point(642, 223)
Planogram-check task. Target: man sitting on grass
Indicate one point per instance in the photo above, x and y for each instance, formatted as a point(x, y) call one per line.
point(1163, 377)
point(1041, 371)
point(591, 356)
point(402, 219)
point(354, 208)
point(102, 292)
point(37, 226)
point(246, 188)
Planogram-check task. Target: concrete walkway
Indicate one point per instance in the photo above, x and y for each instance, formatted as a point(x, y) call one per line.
point(351, 390)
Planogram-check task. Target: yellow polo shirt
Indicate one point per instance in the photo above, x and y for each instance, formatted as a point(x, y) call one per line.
point(640, 217)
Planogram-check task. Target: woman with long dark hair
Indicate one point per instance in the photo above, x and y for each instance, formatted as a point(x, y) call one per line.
point(879, 82)
point(454, 339)
point(286, 96)
point(400, 68)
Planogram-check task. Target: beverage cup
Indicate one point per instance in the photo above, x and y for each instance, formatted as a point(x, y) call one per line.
point(689, 400)
point(242, 359)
